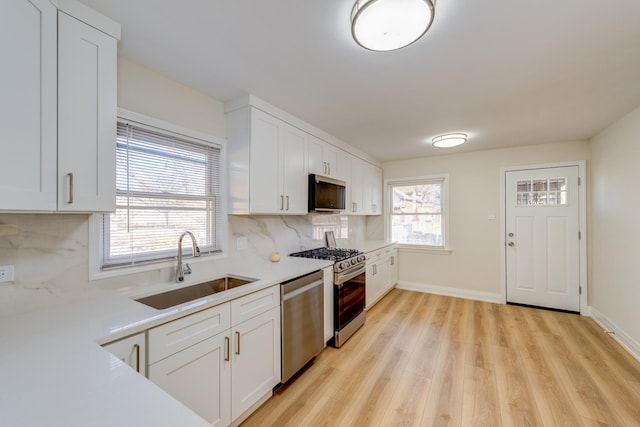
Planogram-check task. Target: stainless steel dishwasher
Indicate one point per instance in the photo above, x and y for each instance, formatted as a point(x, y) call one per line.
point(302, 321)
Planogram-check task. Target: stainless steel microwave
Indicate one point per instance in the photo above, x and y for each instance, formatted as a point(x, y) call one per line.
point(326, 194)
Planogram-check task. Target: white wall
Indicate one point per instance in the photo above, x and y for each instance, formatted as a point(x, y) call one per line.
point(615, 228)
point(144, 91)
point(473, 268)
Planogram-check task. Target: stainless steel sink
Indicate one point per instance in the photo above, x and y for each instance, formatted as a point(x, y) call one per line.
point(189, 293)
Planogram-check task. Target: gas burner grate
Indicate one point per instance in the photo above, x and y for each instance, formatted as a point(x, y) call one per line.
point(331, 254)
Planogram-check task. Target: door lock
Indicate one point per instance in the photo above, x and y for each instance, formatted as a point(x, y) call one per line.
point(510, 234)
point(511, 244)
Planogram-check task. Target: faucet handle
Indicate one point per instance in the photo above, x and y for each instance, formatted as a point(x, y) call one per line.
point(187, 269)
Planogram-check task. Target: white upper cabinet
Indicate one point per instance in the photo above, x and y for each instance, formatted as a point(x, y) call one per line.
point(267, 172)
point(270, 154)
point(366, 189)
point(87, 107)
point(322, 158)
point(58, 109)
point(28, 43)
point(375, 186)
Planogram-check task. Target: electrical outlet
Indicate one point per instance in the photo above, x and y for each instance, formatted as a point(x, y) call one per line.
point(6, 273)
point(241, 243)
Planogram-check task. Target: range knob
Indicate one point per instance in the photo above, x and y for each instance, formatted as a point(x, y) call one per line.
point(361, 258)
point(343, 265)
point(354, 261)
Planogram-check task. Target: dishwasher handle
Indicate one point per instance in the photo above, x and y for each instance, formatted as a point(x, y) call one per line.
point(294, 293)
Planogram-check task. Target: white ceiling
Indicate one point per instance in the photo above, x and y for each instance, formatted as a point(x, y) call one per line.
point(506, 72)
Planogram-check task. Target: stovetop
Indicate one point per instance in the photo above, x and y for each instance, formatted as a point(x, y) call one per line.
point(343, 259)
point(331, 254)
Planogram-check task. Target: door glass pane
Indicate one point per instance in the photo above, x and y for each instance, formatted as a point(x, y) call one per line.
point(542, 192)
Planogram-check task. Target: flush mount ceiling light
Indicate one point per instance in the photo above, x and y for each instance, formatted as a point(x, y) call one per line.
point(449, 140)
point(383, 25)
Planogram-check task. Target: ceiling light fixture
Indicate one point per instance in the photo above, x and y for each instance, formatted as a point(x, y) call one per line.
point(449, 140)
point(384, 25)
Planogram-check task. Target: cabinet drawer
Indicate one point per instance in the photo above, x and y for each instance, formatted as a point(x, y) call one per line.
point(253, 304)
point(175, 336)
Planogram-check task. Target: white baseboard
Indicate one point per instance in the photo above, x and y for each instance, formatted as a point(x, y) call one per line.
point(627, 342)
point(450, 292)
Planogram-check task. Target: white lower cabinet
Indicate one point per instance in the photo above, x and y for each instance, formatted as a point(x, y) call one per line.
point(222, 361)
point(131, 350)
point(256, 360)
point(381, 274)
point(199, 377)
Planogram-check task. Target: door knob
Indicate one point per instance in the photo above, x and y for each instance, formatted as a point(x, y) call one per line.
point(511, 244)
point(510, 234)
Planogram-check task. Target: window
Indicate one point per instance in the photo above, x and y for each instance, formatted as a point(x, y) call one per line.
point(418, 214)
point(166, 183)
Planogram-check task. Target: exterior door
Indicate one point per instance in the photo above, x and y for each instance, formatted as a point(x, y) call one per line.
point(542, 237)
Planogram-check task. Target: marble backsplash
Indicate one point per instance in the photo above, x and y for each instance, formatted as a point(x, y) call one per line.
point(50, 253)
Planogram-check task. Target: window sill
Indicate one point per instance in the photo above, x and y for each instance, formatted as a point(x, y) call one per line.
point(140, 268)
point(424, 249)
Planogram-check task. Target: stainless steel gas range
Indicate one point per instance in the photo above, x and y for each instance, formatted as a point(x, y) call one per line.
point(348, 289)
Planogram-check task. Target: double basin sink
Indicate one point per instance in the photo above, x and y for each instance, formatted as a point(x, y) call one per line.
point(189, 293)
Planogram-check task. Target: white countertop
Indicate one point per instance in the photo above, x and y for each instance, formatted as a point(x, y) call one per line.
point(53, 371)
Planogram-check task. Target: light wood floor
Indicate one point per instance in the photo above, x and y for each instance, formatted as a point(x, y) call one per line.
point(430, 360)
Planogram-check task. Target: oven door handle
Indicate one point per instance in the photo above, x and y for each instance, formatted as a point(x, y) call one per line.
point(350, 274)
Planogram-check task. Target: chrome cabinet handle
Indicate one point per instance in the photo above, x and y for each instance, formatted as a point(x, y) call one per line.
point(287, 197)
point(281, 202)
point(237, 342)
point(329, 168)
point(136, 347)
point(227, 345)
point(393, 260)
point(70, 200)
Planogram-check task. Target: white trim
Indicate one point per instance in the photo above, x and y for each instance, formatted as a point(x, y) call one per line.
point(621, 337)
point(387, 203)
point(90, 17)
point(417, 249)
point(582, 214)
point(450, 292)
point(95, 246)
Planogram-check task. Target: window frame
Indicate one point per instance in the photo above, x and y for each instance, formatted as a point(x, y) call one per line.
point(390, 183)
point(95, 230)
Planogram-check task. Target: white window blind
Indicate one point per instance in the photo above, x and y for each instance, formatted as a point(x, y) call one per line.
point(166, 184)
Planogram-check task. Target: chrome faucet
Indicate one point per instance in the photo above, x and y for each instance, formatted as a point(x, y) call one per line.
point(182, 270)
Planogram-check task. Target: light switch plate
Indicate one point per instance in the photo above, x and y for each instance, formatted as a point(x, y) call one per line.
point(6, 273)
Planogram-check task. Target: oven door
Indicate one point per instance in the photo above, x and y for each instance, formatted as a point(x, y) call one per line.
point(349, 296)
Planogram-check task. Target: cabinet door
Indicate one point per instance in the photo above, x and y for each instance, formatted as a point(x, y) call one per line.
point(265, 181)
point(377, 277)
point(328, 303)
point(295, 185)
point(200, 378)
point(375, 187)
point(357, 185)
point(28, 105)
point(315, 161)
point(86, 117)
point(393, 268)
point(131, 351)
point(256, 360)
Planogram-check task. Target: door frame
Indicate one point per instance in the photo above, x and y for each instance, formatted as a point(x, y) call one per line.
point(582, 218)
